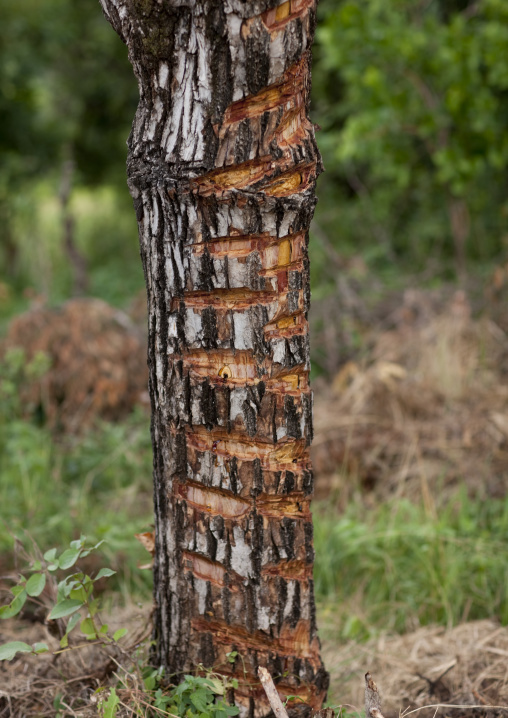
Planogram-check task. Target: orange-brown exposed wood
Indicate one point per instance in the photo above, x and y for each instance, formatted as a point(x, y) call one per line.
point(288, 91)
point(293, 642)
point(228, 444)
point(208, 570)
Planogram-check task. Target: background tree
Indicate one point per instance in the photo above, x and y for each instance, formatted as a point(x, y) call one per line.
point(62, 130)
point(412, 100)
point(222, 166)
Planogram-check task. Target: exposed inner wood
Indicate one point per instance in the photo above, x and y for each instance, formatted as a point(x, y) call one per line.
point(229, 444)
point(230, 368)
point(274, 253)
point(276, 18)
point(238, 300)
point(208, 570)
point(275, 178)
point(213, 501)
point(289, 91)
point(291, 641)
point(298, 570)
point(223, 503)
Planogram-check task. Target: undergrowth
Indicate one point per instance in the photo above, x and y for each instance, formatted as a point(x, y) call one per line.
point(98, 484)
point(57, 586)
point(394, 567)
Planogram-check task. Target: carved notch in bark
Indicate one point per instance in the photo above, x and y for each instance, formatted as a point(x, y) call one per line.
point(222, 167)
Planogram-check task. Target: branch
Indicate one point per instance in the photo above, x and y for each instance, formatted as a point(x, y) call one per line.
point(271, 693)
point(114, 11)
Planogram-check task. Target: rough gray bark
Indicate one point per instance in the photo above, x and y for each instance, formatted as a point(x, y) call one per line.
point(222, 167)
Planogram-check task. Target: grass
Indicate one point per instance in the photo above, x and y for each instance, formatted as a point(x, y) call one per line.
point(55, 489)
point(99, 486)
point(398, 566)
point(394, 566)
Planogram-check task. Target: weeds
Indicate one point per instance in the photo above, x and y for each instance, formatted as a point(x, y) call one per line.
point(99, 484)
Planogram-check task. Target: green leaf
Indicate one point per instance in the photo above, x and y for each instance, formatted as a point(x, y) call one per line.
point(36, 566)
point(111, 705)
point(104, 628)
point(65, 608)
point(78, 594)
point(94, 606)
point(64, 641)
point(40, 647)
point(9, 650)
point(104, 573)
point(231, 710)
point(35, 584)
point(73, 622)
point(119, 634)
point(200, 699)
point(69, 557)
point(150, 681)
point(53, 567)
point(14, 606)
point(50, 555)
point(87, 627)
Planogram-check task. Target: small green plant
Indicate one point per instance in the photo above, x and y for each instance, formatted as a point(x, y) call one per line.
point(71, 599)
point(198, 697)
point(203, 695)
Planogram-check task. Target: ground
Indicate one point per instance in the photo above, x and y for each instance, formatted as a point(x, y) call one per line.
point(418, 414)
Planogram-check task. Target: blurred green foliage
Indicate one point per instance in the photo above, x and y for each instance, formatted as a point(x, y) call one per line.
point(67, 99)
point(398, 566)
point(412, 99)
point(411, 96)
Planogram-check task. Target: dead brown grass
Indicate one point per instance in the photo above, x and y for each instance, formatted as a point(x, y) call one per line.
point(425, 411)
point(29, 684)
point(467, 665)
point(98, 362)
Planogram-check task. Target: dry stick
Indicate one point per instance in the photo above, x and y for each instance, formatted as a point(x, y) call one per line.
point(271, 693)
point(454, 705)
point(372, 699)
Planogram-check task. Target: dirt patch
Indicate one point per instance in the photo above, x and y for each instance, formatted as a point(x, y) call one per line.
point(98, 362)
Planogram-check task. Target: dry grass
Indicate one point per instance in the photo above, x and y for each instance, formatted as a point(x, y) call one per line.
point(426, 411)
point(467, 665)
point(35, 685)
point(98, 362)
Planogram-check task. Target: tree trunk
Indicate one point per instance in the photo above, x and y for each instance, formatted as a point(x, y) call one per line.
point(222, 167)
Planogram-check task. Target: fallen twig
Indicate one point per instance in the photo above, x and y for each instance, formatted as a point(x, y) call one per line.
point(271, 693)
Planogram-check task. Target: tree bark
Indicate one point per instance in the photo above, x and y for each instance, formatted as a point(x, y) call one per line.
point(222, 168)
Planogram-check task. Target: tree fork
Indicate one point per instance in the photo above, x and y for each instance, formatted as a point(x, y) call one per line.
point(222, 168)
